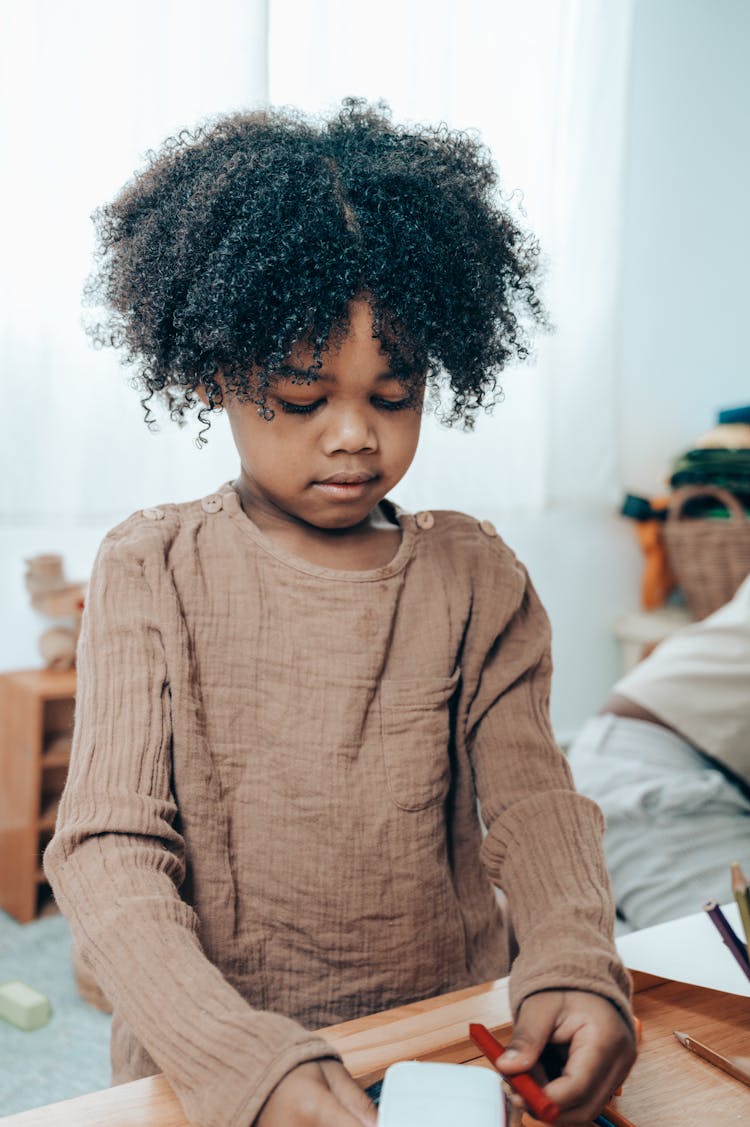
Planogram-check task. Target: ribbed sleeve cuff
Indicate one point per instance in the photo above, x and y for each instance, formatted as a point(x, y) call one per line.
point(601, 972)
point(249, 1107)
point(546, 854)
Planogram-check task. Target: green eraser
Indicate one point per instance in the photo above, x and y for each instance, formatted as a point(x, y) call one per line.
point(23, 1006)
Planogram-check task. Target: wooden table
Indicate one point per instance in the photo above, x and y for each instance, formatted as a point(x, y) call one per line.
point(668, 1087)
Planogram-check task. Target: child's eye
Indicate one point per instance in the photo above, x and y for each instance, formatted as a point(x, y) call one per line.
point(392, 404)
point(299, 408)
point(308, 408)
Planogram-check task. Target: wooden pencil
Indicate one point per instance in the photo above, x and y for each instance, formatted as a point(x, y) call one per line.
point(738, 1067)
point(742, 896)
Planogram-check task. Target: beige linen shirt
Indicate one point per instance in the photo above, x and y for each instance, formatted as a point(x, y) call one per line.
point(698, 682)
point(270, 821)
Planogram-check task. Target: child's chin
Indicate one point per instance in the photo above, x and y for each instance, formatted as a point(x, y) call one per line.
point(348, 516)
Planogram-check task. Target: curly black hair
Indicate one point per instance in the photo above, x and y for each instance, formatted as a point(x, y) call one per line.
point(255, 231)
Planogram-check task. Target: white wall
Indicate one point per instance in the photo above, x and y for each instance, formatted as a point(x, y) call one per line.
point(687, 240)
point(686, 227)
point(686, 230)
point(685, 261)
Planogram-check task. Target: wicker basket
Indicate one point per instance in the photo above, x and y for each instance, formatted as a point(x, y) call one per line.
point(709, 557)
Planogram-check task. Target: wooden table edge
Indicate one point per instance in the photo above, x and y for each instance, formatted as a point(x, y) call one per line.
point(367, 1044)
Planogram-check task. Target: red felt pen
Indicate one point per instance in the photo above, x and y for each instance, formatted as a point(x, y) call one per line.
point(523, 1082)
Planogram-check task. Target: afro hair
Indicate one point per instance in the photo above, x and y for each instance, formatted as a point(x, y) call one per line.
point(255, 231)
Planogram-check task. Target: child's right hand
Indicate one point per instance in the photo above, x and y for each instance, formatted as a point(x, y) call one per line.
point(320, 1093)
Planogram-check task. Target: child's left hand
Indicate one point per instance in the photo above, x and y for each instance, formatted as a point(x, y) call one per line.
point(600, 1049)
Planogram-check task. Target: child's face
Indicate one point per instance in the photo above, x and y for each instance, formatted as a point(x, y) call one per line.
point(351, 424)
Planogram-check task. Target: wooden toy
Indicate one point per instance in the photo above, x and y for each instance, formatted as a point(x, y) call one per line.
point(55, 596)
point(23, 1006)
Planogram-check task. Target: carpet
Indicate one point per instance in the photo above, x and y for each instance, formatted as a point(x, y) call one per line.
point(70, 1055)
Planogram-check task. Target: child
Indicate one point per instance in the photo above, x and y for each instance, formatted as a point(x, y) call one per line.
point(292, 692)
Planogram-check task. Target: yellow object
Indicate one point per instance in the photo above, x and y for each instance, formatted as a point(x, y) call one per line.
point(726, 436)
point(23, 1006)
point(742, 896)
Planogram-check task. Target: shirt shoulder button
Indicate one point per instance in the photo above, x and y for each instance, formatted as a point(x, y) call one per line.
point(488, 527)
point(425, 520)
point(153, 514)
point(212, 503)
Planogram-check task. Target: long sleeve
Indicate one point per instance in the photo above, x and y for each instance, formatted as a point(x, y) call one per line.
point(543, 845)
point(117, 860)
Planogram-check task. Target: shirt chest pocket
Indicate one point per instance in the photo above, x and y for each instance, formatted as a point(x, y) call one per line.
point(415, 723)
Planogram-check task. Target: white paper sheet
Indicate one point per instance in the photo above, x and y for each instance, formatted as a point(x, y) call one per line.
point(688, 950)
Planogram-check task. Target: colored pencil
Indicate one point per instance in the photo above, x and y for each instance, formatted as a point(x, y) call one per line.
point(522, 1082)
point(615, 1117)
point(738, 1067)
point(722, 925)
point(742, 896)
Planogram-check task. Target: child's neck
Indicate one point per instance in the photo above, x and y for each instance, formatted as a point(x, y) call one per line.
point(370, 544)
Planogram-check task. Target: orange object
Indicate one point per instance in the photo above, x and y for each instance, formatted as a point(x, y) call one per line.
point(657, 579)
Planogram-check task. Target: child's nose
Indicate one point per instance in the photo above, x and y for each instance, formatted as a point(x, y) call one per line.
point(350, 428)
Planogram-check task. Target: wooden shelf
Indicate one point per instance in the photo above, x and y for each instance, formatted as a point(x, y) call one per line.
point(56, 750)
point(50, 684)
point(36, 726)
point(48, 816)
point(52, 759)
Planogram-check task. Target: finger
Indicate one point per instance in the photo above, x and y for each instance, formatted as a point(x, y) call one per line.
point(531, 1033)
point(586, 1083)
point(349, 1094)
point(329, 1112)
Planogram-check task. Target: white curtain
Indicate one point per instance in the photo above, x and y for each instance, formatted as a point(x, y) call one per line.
point(545, 83)
point(86, 88)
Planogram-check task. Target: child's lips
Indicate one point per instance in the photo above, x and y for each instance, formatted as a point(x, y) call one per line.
point(345, 487)
point(356, 477)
